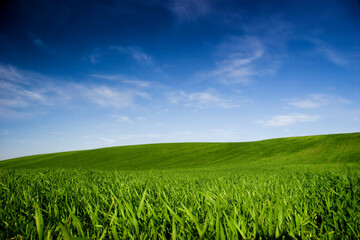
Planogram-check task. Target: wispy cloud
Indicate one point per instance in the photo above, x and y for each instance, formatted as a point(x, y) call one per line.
point(124, 79)
point(15, 96)
point(136, 53)
point(94, 57)
point(284, 120)
point(11, 74)
point(107, 140)
point(98, 54)
point(237, 61)
point(11, 114)
point(126, 119)
point(107, 97)
point(22, 92)
point(37, 41)
point(5, 132)
point(126, 138)
point(139, 83)
point(190, 10)
point(317, 100)
point(123, 119)
point(332, 56)
point(258, 52)
point(208, 98)
point(329, 53)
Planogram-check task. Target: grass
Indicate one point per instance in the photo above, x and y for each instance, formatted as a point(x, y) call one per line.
point(290, 188)
point(329, 151)
point(95, 204)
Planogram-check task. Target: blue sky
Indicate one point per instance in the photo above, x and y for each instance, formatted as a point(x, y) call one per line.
point(87, 74)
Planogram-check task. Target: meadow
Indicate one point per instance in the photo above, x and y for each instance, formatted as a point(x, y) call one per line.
point(214, 198)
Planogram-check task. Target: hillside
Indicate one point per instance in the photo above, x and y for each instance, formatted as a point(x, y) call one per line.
point(337, 150)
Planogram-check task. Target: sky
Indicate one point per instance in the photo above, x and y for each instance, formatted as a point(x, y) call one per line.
point(86, 74)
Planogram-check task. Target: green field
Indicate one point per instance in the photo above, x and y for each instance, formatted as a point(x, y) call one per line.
point(325, 151)
point(292, 188)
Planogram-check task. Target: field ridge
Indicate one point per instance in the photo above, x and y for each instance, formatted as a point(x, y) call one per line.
point(332, 150)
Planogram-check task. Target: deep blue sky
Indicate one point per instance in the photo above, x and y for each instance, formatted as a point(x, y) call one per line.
point(84, 74)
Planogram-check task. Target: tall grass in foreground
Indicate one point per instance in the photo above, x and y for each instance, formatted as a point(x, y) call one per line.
point(53, 204)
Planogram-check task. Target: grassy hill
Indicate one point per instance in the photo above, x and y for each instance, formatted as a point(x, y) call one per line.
point(276, 195)
point(337, 150)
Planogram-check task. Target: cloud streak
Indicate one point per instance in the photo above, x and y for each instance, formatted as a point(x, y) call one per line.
point(124, 79)
point(106, 97)
point(318, 100)
point(135, 53)
point(37, 41)
point(285, 120)
point(21, 89)
point(238, 61)
point(329, 53)
point(190, 10)
point(126, 119)
point(205, 99)
point(22, 92)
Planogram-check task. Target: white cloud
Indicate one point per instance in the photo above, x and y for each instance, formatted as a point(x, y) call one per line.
point(133, 52)
point(237, 64)
point(123, 78)
point(318, 100)
point(142, 94)
point(284, 120)
point(229, 134)
point(94, 57)
point(306, 103)
point(142, 137)
point(258, 52)
point(38, 42)
point(136, 53)
point(107, 140)
point(126, 119)
point(138, 83)
point(332, 56)
point(329, 53)
point(57, 132)
point(5, 132)
point(108, 77)
point(223, 133)
point(190, 10)
point(138, 138)
point(10, 114)
point(203, 99)
point(25, 93)
point(107, 97)
point(12, 74)
point(120, 118)
point(20, 90)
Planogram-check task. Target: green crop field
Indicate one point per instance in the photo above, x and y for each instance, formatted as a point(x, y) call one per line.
point(289, 188)
point(325, 151)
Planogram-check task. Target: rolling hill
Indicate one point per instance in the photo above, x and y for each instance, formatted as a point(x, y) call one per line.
point(333, 151)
